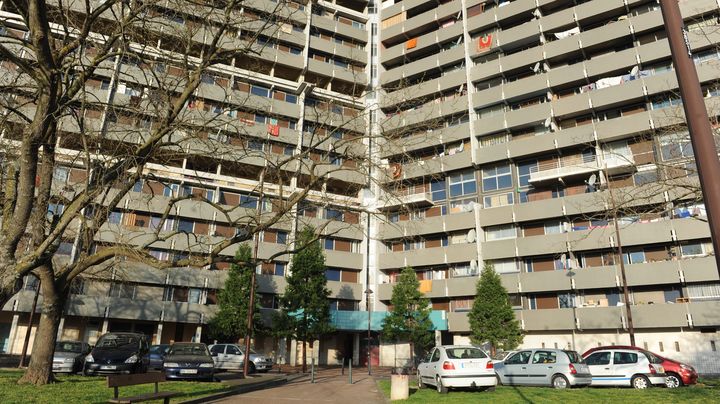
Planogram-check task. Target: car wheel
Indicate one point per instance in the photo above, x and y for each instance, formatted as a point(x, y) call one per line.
point(673, 381)
point(440, 388)
point(640, 382)
point(560, 382)
point(420, 384)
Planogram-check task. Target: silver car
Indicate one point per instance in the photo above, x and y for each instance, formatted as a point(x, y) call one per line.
point(544, 367)
point(625, 368)
point(230, 356)
point(69, 356)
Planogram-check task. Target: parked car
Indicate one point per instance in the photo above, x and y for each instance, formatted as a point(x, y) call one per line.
point(230, 356)
point(451, 366)
point(118, 353)
point(156, 355)
point(544, 367)
point(678, 373)
point(189, 360)
point(625, 367)
point(69, 356)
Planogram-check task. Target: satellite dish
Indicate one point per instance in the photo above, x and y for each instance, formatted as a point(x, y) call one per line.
point(470, 236)
point(549, 95)
point(553, 126)
point(546, 67)
point(547, 122)
point(537, 13)
point(536, 68)
point(592, 180)
point(635, 70)
point(473, 265)
point(542, 39)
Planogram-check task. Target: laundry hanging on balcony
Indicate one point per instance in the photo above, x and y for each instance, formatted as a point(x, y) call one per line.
point(568, 33)
point(425, 286)
point(411, 43)
point(485, 42)
point(273, 130)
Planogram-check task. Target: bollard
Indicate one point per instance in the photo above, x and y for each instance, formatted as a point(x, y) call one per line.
point(342, 371)
point(312, 370)
point(350, 371)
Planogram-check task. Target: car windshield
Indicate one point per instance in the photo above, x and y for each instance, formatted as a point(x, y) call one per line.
point(500, 355)
point(189, 349)
point(118, 341)
point(465, 353)
point(574, 357)
point(64, 346)
point(159, 349)
point(653, 358)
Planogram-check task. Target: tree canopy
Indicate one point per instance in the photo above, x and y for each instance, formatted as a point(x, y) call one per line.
point(492, 319)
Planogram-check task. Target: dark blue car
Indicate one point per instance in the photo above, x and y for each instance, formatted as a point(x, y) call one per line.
point(156, 355)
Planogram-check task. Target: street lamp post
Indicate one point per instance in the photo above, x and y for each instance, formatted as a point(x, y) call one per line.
point(369, 292)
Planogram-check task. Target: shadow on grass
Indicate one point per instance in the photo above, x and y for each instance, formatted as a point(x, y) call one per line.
point(184, 395)
point(523, 397)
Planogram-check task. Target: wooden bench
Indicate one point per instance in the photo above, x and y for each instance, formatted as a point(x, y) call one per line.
point(116, 381)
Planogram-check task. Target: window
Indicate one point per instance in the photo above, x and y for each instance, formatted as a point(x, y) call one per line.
point(122, 290)
point(194, 295)
point(519, 358)
point(61, 174)
point(185, 226)
point(260, 91)
point(329, 244)
point(138, 186)
point(437, 190)
point(691, 249)
point(544, 357)
point(505, 266)
point(634, 257)
point(256, 144)
point(462, 184)
point(553, 228)
point(598, 358)
point(281, 237)
point(279, 269)
point(493, 201)
point(332, 274)
point(661, 346)
point(248, 201)
point(676, 146)
point(524, 171)
point(498, 177)
point(500, 232)
point(333, 214)
point(624, 358)
point(677, 346)
point(566, 300)
point(704, 291)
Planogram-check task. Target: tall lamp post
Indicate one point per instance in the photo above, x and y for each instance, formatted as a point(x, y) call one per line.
point(701, 136)
point(369, 292)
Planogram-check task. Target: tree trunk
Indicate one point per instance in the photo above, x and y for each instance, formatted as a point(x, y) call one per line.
point(39, 372)
point(304, 365)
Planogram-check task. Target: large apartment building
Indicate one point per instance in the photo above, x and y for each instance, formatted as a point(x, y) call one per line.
point(513, 133)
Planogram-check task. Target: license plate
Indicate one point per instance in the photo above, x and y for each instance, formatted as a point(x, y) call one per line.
point(108, 367)
point(55, 367)
point(470, 365)
point(188, 371)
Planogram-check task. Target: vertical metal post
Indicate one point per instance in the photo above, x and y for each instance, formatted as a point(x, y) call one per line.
point(312, 370)
point(701, 136)
point(350, 372)
point(626, 293)
point(26, 342)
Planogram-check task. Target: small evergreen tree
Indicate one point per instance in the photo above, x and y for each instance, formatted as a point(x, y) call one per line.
point(230, 322)
point(409, 318)
point(305, 311)
point(492, 319)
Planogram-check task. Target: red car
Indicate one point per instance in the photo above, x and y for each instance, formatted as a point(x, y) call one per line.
point(678, 374)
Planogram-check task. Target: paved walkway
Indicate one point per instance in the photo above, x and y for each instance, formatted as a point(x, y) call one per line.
point(329, 387)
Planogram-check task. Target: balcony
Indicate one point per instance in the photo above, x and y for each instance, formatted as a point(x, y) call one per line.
point(575, 166)
point(392, 202)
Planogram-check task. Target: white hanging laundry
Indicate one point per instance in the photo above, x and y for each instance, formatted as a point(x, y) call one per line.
point(565, 34)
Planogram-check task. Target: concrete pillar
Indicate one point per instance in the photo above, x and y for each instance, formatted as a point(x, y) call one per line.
point(356, 349)
point(158, 334)
point(198, 333)
point(438, 338)
point(105, 325)
point(60, 328)
point(293, 353)
point(282, 353)
point(13, 332)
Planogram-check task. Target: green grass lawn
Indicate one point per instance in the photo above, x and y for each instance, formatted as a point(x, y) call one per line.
point(79, 389)
point(703, 393)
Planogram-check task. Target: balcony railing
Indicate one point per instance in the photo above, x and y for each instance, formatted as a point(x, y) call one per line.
point(579, 165)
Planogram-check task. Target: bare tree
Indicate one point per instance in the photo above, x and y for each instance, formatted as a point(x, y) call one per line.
point(107, 105)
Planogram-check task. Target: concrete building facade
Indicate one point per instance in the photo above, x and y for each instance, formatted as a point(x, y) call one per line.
point(505, 131)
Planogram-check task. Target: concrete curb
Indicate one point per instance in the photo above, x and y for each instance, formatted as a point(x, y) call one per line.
point(245, 389)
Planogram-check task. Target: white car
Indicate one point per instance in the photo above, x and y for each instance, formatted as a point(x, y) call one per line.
point(451, 366)
point(230, 356)
point(622, 367)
